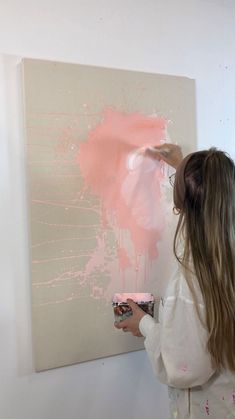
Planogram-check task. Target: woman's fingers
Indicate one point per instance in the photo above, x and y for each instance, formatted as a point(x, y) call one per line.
point(170, 153)
point(121, 325)
point(132, 323)
point(133, 305)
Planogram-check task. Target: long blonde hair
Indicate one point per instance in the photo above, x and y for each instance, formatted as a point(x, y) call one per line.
point(204, 193)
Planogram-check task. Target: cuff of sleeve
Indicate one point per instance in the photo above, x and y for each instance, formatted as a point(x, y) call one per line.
point(146, 324)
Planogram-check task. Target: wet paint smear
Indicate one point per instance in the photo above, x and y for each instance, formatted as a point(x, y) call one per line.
point(115, 168)
point(105, 241)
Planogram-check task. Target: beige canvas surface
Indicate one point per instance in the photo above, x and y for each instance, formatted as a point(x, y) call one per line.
point(72, 321)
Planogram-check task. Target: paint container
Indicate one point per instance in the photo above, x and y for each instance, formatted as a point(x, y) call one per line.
point(122, 310)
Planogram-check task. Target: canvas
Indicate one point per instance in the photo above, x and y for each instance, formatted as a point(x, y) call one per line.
point(100, 209)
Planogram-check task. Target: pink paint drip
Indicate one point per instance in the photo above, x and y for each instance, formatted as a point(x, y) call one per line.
point(131, 198)
point(124, 260)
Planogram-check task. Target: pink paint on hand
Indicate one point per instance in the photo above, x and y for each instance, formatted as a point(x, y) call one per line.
point(130, 196)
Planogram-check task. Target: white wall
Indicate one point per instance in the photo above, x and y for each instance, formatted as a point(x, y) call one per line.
point(195, 38)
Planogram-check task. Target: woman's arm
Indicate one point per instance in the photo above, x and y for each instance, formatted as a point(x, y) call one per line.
point(177, 345)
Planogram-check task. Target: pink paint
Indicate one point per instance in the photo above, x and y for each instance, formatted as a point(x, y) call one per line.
point(131, 197)
point(138, 297)
point(124, 260)
point(97, 292)
point(184, 367)
point(96, 259)
point(207, 408)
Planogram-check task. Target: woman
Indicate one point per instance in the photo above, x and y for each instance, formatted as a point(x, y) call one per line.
point(192, 348)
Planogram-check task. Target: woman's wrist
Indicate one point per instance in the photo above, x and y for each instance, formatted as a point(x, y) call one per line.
point(146, 324)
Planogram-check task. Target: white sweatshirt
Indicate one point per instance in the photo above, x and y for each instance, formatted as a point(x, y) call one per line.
point(177, 350)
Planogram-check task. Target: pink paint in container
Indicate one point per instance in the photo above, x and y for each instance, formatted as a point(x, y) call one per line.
point(122, 310)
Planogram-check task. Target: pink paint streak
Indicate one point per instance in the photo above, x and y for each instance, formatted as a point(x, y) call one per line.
point(124, 260)
point(131, 194)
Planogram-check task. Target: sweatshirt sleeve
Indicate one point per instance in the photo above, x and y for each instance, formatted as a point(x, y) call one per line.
point(177, 345)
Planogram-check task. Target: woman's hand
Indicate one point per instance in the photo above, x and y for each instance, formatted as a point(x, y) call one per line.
point(169, 153)
point(132, 323)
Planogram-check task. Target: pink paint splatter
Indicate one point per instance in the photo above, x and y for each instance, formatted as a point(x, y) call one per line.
point(207, 408)
point(131, 194)
point(96, 258)
point(184, 367)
